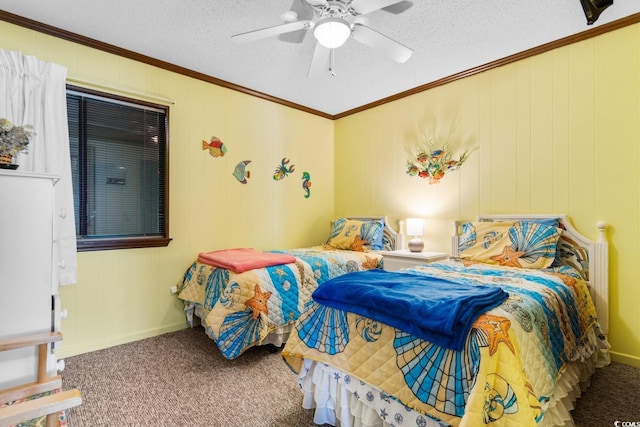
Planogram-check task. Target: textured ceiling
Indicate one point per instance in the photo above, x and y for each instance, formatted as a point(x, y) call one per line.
point(448, 36)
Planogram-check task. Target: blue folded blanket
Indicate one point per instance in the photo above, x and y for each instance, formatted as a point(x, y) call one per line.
point(434, 309)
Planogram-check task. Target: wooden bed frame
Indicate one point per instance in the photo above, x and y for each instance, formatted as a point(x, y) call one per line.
point(589, 257)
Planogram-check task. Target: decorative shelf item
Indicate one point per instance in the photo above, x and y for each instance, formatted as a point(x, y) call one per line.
point(13, 140)
point(434, 163)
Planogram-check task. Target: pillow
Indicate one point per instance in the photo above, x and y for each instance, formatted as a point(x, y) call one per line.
point(377, 228)
point(524, 244)
point(356, 235)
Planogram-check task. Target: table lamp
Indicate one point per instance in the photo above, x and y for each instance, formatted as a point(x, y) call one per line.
point(415, 228)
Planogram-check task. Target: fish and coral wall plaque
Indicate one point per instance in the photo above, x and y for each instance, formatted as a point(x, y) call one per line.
point(215, 146)
point(434, 163)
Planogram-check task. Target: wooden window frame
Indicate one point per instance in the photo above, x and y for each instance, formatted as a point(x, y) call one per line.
point(123, 242)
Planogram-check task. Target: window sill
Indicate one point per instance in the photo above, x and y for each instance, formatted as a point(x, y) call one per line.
point(86, 245)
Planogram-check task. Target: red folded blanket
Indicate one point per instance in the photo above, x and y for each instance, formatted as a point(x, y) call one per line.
point(243, 259)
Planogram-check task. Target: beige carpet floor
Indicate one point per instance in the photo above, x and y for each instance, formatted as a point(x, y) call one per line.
point(181, 379)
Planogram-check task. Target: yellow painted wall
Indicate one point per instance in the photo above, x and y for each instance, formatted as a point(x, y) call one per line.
point(123, 295)
point(555, 133)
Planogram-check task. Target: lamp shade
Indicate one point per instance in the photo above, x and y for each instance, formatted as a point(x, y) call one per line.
point(415, 226)
point(332, 32)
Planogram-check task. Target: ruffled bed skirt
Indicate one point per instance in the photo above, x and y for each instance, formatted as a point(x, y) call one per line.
point(342, 400)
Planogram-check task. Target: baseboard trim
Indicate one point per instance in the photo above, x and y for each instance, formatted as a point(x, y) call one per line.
point(626, 359)
point(68, 351)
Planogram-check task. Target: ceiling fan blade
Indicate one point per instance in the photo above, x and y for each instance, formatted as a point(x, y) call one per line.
point(366, 6)
point(293, 37)
point(320, 61)
point(370, 37)
point(271, 31)
point(398, 8)
point(304, 12)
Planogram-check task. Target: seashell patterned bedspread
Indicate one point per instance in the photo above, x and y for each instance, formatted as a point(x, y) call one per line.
point(239, 310)
point(506, 373)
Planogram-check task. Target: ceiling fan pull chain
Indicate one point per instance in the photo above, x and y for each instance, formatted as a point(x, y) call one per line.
point(332, 63)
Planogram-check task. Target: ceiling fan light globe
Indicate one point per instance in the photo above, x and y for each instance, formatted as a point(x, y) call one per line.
point(332, 32)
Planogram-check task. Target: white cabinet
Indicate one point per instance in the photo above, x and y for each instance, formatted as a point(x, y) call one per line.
point(397, 260)
point(28, 270)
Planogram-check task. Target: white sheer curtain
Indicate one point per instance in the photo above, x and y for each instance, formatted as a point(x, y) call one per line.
point(34, 92)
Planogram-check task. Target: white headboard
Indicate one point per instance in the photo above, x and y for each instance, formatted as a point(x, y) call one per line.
point(589, 257)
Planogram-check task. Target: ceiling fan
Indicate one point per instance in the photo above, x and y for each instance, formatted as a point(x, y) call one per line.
point(333, 22)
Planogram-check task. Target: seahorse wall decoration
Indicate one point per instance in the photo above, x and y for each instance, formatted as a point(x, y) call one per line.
point(282, 170)
point(306, 184)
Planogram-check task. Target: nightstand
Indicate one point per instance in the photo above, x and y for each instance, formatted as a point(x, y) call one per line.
point(397, 260)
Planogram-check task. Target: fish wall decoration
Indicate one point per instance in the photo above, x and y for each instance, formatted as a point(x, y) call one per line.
point(215, 146)
point(241, 173)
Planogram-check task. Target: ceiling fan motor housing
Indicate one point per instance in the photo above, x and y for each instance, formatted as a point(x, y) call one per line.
point(334, 9)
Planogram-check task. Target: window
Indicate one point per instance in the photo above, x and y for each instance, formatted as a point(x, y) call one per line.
point(119, 159)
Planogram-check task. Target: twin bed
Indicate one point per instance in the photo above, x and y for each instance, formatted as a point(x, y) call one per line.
point(531, 291)
point(522, 362)
point(258, 306)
